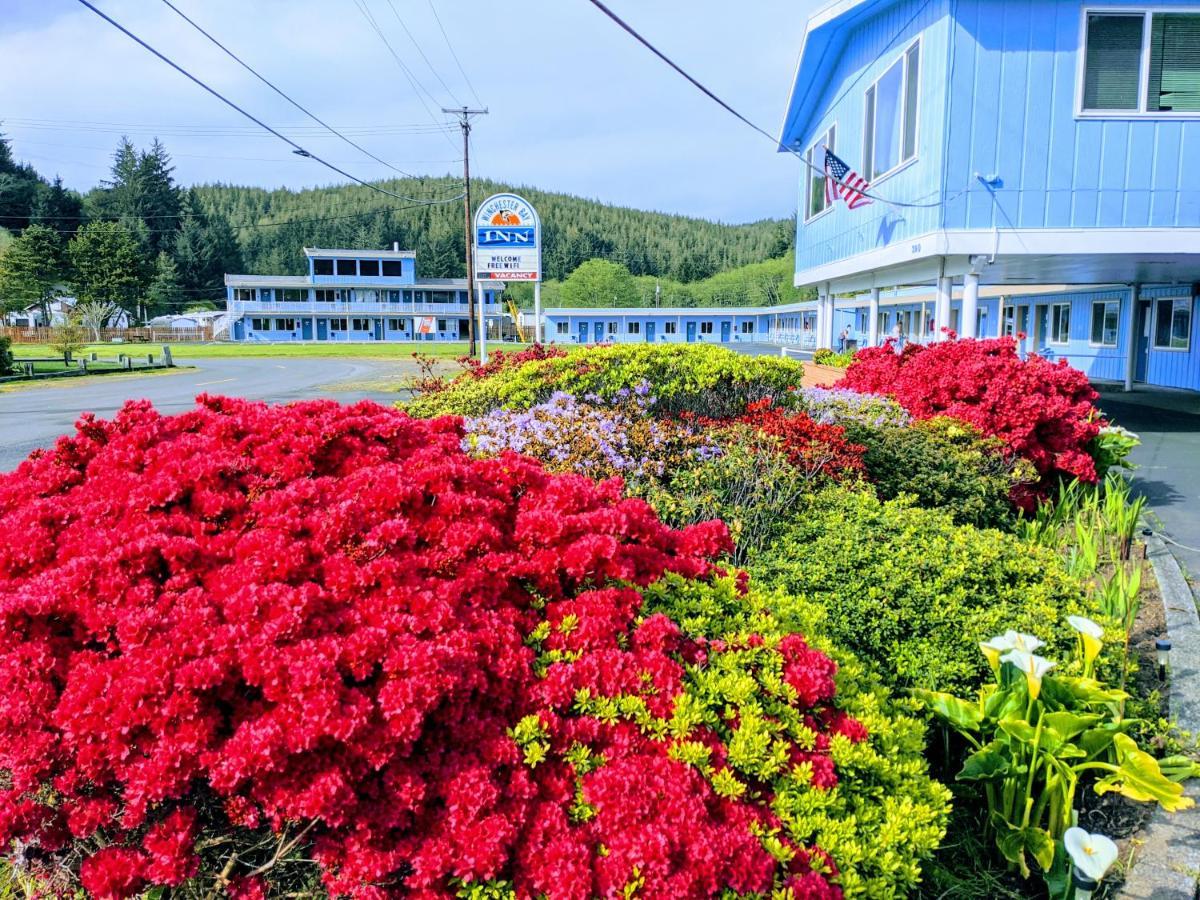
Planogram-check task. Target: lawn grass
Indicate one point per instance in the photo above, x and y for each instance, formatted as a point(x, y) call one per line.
point(382, 350)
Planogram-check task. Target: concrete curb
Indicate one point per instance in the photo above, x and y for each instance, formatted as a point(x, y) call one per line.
point(1168, 865)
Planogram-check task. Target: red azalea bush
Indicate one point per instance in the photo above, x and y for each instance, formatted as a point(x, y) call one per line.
point(813, 448)
point(498, 360)
point(1043, 411)
point(330, 621)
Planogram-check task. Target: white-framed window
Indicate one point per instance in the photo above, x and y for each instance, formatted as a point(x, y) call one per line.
point(398, 324)
point(244, 295)
point(748, 327)
point(890, 129)
point(326, 295)
point(561, 328)
point(1173, 324)
point(669, 328)
point(1140, 62)
point(260, 324)
point(706, 327)
point(360, 325)
point(285, 324)
point(633, 327)
point(1106, 316)
point(612, 327)
point(1060, 323)
point(337, 324)
point(442, 326)
point(293, 295)
point(816, 201)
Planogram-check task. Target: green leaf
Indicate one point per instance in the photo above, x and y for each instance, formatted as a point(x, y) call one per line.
point(1140, 778)
point(959, 713)
point(1019, 729)
point(987, 764)
point(1015, 842)
point(1006, 703)
point(1068, 724)
point(1076, 692)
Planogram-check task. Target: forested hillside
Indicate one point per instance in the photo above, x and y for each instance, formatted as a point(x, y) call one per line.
point(274, 225)
point(141, 243)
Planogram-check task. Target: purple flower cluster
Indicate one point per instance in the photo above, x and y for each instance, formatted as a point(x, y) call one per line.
point(592, 437)
point(838, 406)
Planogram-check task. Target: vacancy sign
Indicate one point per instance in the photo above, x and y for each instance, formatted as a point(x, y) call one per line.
point(508, 240)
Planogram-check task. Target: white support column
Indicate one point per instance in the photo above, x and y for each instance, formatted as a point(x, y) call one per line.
point(537, 312)
point(482, 324)
point(941, 309)
point(820, 332)
point(873, 321)
point(970, 306)
point(1131, 338)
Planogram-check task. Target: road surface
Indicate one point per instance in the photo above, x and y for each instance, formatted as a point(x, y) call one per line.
point(36, 416)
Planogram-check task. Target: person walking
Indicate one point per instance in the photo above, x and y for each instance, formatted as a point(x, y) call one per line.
point(842, 340)
point(898, 334)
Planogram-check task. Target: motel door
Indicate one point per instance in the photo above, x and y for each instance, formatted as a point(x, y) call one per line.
point(725, 331)
point(649, 332)
point(1142, 350)
point(691, 332)
point(306, 329)
point(322, 329)
point(1041, 327)
point(379, 329)
point(598, 331)
point(583, 332)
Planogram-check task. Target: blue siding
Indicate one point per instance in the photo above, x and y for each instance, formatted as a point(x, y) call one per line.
point(870, 50)
point(1173, 368)
point(1011, 111)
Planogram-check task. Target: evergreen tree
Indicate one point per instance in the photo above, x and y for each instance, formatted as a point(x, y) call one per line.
point(164, 295)
point(18, 188)
point(157, 197)
point(32, 269)
point(58, 209)
point(109, 267)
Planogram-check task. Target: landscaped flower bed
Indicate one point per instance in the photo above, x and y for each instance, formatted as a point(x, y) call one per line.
point(652, 622)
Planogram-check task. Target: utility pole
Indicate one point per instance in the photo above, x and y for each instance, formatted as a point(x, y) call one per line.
point(464, 122)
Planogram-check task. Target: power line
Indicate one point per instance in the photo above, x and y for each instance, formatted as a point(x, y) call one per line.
point(450, 47)
point(302, 109)
point(625, 26)
point(297, 148)
point(416, 44)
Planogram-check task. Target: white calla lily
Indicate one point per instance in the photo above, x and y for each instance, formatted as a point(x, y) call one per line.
point(1084, 625)
point(1093, 854)
point(1014, 640)
point(1033, 667)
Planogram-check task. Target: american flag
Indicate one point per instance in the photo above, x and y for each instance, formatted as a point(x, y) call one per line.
point(843, 183)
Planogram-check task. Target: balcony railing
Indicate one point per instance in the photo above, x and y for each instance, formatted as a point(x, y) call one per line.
point(320, 308)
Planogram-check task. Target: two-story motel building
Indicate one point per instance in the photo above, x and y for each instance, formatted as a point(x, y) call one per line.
point(1040, 160)
point(353, 295)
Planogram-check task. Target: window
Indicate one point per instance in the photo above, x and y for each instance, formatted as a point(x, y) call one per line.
point(561, 328)
point(1105, 314)
point(669, 328)
point(748, 327)
point(366, 296)
point(891, 116)
point(368, 268)
point(322, 266)
point(612, 327)
point(347, 267)
point(294, 295)
point(442, 326)
point(634, 327)
point(392, 268)
point(706, 327)
point(244, 295)
point(285, 324)
point(337, 324)
point(260, 324)
point(441, 297)
point(1172, 324)
point(1142, 63)
point(327, 295)
point(1060, 323)
point(816, 201)
point(360, 325)
point(396, 325)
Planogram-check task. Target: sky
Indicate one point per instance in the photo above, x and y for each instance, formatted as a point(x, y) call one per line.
point(575, 105)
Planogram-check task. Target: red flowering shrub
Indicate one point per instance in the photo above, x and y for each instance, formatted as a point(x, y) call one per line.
point(330, 620)
point(499, 360)
point(813, 448)
point(1043, 411)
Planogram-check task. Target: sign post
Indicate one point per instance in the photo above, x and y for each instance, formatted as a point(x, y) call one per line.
point(508, 247)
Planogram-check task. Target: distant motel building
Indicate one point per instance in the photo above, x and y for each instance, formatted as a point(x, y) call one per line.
point(353, 295)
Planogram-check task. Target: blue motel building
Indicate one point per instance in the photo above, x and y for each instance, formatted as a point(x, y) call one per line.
point(353, 295)
point(1036, 171)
